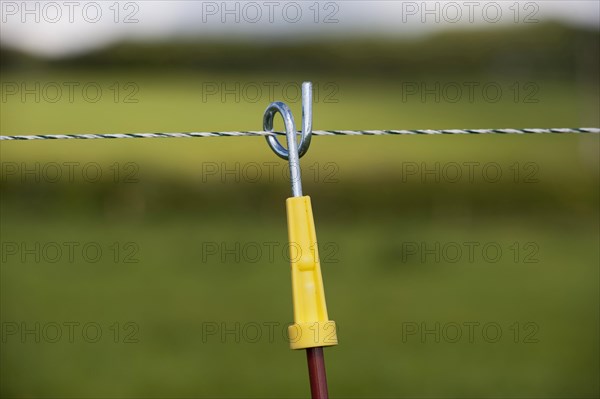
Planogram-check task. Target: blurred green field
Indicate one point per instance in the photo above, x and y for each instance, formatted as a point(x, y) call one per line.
point(369, 211)
point(370, 292)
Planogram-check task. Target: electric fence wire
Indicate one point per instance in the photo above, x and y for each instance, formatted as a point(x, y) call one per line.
point(315, 133)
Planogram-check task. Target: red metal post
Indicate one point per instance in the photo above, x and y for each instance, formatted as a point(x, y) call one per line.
point(316, 373)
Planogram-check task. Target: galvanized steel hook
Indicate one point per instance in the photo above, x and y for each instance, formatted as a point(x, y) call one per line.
point(285, 112)
point(294, 150)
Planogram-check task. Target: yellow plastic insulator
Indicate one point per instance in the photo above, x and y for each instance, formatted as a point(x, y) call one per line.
point(311, 328)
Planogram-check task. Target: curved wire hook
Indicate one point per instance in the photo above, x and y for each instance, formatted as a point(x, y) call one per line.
point(292, 153)
point(285, 112)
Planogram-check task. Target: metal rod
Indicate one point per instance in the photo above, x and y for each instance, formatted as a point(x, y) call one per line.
point(307, 116)
point(294, 162)
point(316, 373)
point(295, 151)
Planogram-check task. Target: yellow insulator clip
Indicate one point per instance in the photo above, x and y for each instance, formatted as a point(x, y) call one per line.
point(312, 327)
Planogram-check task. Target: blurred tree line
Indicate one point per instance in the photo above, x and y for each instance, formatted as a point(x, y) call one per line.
point(546, 50)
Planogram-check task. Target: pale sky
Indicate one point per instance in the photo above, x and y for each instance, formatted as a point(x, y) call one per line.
point(55, 28)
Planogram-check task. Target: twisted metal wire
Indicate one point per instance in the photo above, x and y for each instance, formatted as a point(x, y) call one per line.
point(315, 132)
